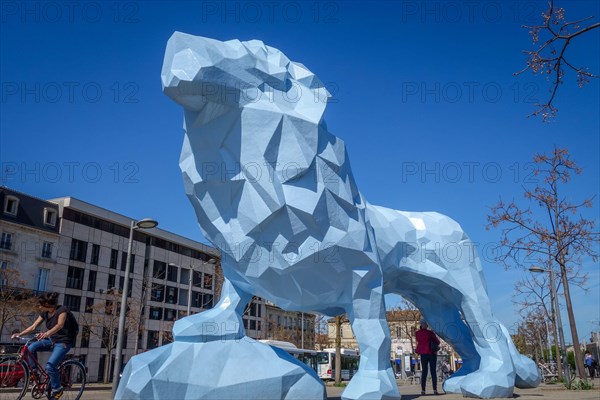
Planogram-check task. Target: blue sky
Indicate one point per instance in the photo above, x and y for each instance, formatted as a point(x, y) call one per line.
point(424, 97)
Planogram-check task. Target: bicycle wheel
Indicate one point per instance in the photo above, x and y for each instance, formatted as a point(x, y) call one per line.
point(72, 378)
point(14, 378)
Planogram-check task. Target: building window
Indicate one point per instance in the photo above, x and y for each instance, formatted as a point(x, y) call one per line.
point(111, 282)
point(106, 339)
point(78, 250)
point(170, 314)
point(95, 254)
point(89, 304)
point(155, 313)
point(208, 281)
point(171, 297)
point(152, 341)
point(172, 273)
point(73, 303)
point(122, 284)
point(75, 278)
point(157, 293)
point(3, 278)
point(207, 301)
point(185, 276)
point(160, 270)
point(183, 295)
point(85, 336)
point(91, 286)
point(49, 217)
point(11, 205)
point(123, 260)
point(42, 279)
point(47, 249)
point(109, 306)
point(6, 241)
point(114, 256)
point(197, 278)
point(196, 299)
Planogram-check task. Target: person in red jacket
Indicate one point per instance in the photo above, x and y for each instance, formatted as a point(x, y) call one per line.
point(428, 357)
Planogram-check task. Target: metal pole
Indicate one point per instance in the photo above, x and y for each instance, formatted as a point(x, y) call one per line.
point(190, 291)
point(302, 330)
point(565, 361)
point(121, 330)
point(549, 358)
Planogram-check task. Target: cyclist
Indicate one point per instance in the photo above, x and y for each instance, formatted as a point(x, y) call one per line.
point(56, 339)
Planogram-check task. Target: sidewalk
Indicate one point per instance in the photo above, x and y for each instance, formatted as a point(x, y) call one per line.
point(100, 391)
point(544, 391)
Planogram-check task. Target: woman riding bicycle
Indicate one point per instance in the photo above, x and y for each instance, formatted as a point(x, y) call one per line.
point(57, 338)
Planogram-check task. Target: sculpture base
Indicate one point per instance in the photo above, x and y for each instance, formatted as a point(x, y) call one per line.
point(244, 369)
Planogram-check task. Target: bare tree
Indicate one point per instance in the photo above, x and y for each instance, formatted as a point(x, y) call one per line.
point(167, 334)
point(321, 337)
point(17, 303)
point(533, 292)
point(556, 236)
point(532, 334)
point(551, 39)
point(407, 317)
point(338, 348)
point(219, 279)
point(102, 320)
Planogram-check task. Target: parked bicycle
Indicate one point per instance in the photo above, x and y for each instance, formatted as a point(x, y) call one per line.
point(16, 375)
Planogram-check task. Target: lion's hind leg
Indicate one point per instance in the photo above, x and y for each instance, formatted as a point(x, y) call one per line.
point(528, 374)
point(496, 375)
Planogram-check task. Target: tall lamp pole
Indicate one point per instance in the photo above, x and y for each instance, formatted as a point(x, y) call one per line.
point(145, 223)
point(565, 362)
point(189, 299)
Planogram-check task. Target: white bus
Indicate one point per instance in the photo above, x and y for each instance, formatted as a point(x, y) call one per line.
point(308, 357)
point(326, 361)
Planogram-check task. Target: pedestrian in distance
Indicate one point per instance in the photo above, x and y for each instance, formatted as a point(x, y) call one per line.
point(428, 345)
point(59, 337)
point(590, 363)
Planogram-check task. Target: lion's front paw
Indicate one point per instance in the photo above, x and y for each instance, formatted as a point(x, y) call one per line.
point(372, 385)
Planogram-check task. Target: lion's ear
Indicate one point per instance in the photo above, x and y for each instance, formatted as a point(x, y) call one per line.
point(304, 76)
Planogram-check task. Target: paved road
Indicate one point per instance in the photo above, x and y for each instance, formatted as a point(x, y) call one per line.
point(411, 392)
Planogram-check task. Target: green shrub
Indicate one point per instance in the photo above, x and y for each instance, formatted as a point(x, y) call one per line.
point(579, 384)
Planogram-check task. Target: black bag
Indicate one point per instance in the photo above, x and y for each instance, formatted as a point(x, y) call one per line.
point(433, 346)
point(72, 327)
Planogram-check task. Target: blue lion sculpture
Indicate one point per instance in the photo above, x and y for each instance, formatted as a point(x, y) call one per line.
point(273, 189)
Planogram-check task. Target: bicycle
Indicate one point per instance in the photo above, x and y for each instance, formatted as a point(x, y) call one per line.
point(16, 376)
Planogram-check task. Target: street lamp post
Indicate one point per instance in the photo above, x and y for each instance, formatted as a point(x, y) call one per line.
point(189, 299)
point(565, 362)
point(145, 223)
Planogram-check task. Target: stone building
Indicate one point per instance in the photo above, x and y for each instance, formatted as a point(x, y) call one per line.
point(290, 326)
